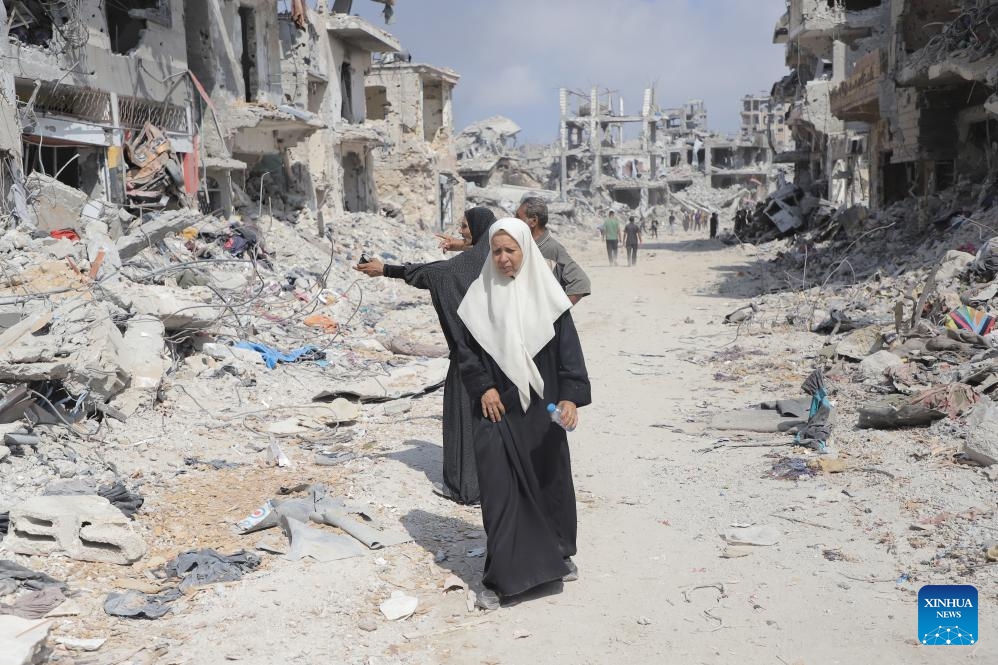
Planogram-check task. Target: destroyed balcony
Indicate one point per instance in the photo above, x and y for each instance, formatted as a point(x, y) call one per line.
point(843, 20)
point(362, 34)
point(782, 29)
point(858, 97)
point(263, 130)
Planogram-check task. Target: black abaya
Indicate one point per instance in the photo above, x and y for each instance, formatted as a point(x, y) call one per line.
point(447, 282)
point(524, 466)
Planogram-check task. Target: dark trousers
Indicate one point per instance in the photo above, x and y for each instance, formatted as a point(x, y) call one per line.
point(632, 254)
point(611, 250)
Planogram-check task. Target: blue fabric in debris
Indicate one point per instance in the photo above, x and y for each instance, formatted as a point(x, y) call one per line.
point(272, 356)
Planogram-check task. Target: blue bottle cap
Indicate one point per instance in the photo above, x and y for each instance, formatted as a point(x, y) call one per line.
point(551, 408)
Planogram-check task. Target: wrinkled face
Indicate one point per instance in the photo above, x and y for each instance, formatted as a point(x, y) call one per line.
point(506, 254)
point(521, 214)
point(465, 230)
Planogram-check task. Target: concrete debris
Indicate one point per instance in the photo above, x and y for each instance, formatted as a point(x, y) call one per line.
point(56, 206)
point(874, 366)
point(981, 444)
point(85, 528)
point(22, 641)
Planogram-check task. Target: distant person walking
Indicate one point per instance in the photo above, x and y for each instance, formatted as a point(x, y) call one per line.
point(632, 240)
point(686, 221)
point(672, 223)
point(611, 233)
point(713, 225)
point(654, 228)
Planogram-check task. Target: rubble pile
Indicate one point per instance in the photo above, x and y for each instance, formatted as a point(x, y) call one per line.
point(906, 309)
point(105, 326)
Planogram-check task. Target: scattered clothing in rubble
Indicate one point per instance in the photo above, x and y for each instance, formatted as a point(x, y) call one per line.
point(447, 282)
point(323, 322)
point(885, 416)
point(137, 605)
point(36, 604)
point(985, 266)
point(968, 318)
point(791, 468)
point(122, 498)
point(217, 464)
point(816, 433)
point(200, 567)
point(272, 356)
point(954, 399)
point(14, 577)
point(128, 502)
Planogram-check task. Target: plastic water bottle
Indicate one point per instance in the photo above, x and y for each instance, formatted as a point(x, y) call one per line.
point(556, 417)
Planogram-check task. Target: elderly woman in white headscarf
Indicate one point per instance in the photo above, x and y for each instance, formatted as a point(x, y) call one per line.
point(520, 353)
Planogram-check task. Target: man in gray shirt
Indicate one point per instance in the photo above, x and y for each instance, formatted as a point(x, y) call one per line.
point(533, 211)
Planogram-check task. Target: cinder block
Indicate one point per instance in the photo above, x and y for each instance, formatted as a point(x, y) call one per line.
point(82, 527)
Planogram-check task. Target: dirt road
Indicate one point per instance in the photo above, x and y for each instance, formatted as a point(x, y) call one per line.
point(654, 587)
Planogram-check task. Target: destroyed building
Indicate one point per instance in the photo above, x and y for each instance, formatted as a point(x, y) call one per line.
point(601, 155)
point(824, 39)
point(412, 105)
point(889, 98)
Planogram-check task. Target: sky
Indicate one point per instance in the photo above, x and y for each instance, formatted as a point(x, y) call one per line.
point(514, 55)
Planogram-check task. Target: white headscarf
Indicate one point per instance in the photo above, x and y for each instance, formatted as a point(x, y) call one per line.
point(513, 318)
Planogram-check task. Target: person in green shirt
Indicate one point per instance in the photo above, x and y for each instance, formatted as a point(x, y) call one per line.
point(611, 232)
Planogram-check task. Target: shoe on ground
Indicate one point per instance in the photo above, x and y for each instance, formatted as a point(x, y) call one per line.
point(443, 491)
point(487, 600)
point(573, 571)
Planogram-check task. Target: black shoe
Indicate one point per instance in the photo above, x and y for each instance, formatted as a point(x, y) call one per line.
point(442, 490)
point(573, 571)
point(487, 600)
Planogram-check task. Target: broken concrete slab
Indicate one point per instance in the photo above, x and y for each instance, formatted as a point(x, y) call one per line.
point(755, 420)
point(22, 641)
point(861, 343)
point(83, 527)
point(150, 232)
point(874, 366)
point(176, 308)
point(96, 366)
point(981, 444)
point(413, 379)
point(142, 352)
point(56, 206)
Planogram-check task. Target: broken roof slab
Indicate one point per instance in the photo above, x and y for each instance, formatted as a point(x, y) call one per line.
point(426, 72)
point(362, 34)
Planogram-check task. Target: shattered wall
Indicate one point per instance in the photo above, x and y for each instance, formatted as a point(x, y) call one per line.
point(416, 171)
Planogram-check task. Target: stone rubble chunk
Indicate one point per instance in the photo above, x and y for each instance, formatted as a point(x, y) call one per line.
point(83, 527)
point(873, 366)
point(981, 444)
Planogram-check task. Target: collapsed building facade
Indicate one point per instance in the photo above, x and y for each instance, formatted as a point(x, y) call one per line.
point(412, 105)
point(890, 98)
point(601, 155)
point(647, 159)
point(208, 105)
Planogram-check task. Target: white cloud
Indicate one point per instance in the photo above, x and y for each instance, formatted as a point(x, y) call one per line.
point(513, 55)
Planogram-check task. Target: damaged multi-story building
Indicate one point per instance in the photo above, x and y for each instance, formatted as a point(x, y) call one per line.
point(97, 97)
point(210, 104)
point(824, 39)
point(412, 105)
point(925, 86)
point(634, 159)
point(889, 98)
point(746, 158)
